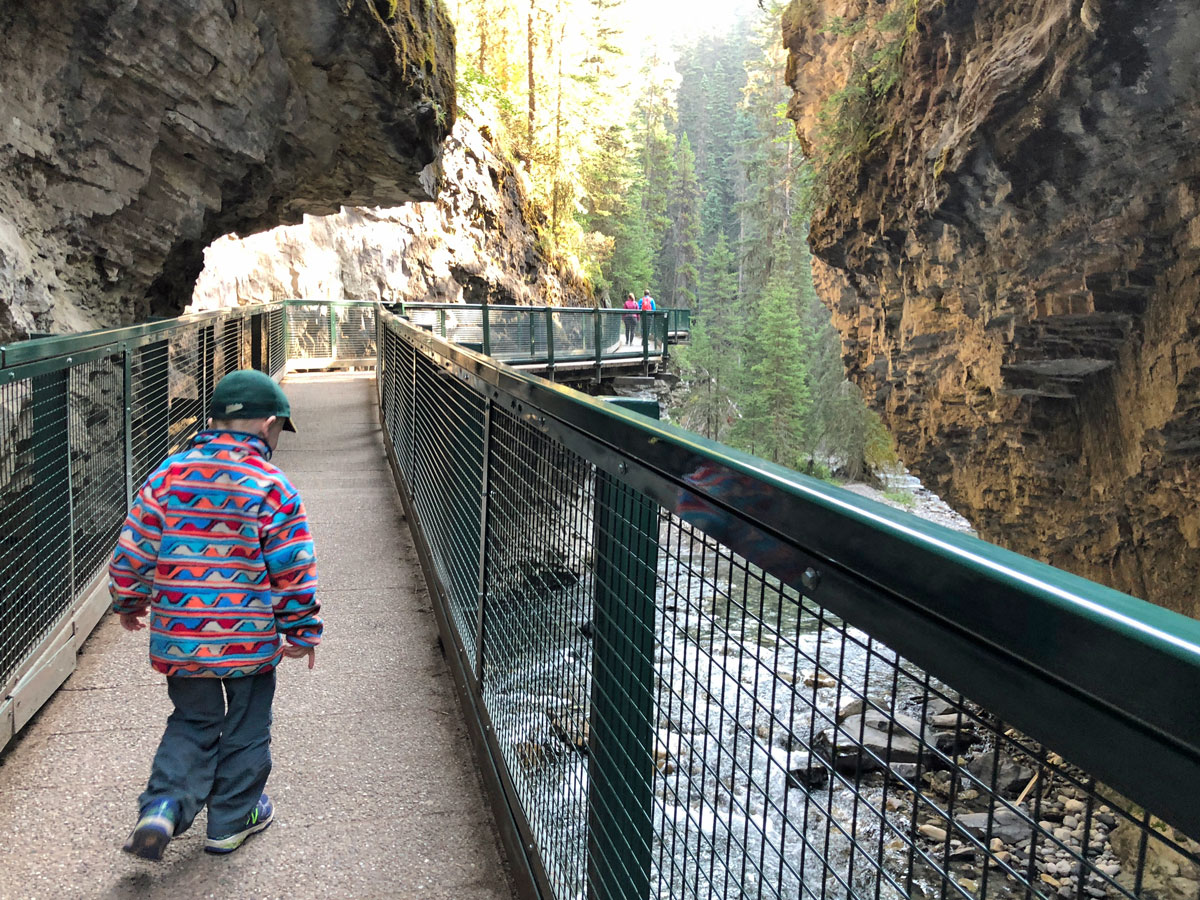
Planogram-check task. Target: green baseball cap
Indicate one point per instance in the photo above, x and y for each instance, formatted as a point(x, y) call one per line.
point(248, 394)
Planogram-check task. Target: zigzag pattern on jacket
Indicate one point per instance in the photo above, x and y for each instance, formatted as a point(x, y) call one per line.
point(217, 546)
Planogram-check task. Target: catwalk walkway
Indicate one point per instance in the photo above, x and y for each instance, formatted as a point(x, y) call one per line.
point(375, 790)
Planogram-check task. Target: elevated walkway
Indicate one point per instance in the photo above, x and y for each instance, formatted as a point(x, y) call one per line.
point(684, 671)
point(376, 790)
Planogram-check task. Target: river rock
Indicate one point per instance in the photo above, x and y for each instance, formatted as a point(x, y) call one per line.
point(1011, 778)
point(935, 834)
point(1007, 826)
point(805, 772)
point(882, 740)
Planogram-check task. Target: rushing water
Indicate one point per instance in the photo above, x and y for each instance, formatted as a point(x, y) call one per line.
point(747, 674)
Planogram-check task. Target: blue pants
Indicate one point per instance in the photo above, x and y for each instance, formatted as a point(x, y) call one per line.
point(216, 750)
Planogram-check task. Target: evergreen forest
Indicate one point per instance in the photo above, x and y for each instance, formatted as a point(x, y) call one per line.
point(665, 161)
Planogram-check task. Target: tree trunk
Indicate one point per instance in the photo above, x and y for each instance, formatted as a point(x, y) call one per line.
point(529, 42)
point(556, 184)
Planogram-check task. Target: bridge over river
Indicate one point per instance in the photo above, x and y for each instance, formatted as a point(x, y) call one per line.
point(572, 651)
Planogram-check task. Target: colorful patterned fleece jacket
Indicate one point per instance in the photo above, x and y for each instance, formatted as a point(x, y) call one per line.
point(217, 546)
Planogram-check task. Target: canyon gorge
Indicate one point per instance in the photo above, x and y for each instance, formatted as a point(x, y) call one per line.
point(1007, 234)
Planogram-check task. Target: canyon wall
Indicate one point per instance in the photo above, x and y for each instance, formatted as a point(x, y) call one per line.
point(1008, 236)
point(135, 132)
point(477, 243)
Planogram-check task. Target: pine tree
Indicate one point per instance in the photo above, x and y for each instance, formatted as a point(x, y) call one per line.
point(776, 407)
point(709, 405)
point(679, 273)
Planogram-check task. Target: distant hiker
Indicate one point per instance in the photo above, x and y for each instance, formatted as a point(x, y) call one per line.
point(631, 320)
point(648, 301)
point(217, 551)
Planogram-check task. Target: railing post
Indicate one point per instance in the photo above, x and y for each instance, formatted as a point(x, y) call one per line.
point(333, 333)
point(152, 420)
point(287, 335)
point(644, 317)
point(442, 321)
point(51, 519)
point(621, 737)
point(599, 348)
point(256, 342)
point(485, 327)
point(208, 347)
point(550, 341)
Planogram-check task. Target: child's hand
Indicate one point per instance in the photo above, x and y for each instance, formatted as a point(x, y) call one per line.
point(295, 651)
point(133, 621)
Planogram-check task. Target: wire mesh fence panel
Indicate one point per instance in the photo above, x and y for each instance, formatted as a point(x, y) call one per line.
point(614, 334)
point(310, 337)
point(463, 325)
point(757, 746)
point(188, 390)
point(516, 332)
point(150, 373)
point(34, 484)
point(677, 721)
point(276, 341)
point(403, 418)
point(797, 756)
point(97, 441)
point(355, 333)
point(574, 334)
point(536, 647)
point(447, 485)
point(230, 340)
point(425, 317)
point(83, 420)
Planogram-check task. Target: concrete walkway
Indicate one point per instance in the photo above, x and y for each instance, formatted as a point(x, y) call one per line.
point(375, 789)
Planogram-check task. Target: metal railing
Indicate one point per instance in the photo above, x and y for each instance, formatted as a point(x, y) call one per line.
point(84, 418)
point(688, 672)
point(331, 335)
point(550, 337)
point(679, 322)
point(691, 673)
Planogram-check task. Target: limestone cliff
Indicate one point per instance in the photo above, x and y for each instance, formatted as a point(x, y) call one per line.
point(1010, 244)
point(477, 242)
point(135, 132)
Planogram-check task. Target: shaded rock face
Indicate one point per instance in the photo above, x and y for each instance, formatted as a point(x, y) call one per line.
point(1014, 266)
point(134, 132)
point(477, 243)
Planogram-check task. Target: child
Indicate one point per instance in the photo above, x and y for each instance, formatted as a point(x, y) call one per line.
point(217, 549)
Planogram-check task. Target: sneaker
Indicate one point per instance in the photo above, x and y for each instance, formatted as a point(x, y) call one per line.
point(258, 820)
point(153, 830)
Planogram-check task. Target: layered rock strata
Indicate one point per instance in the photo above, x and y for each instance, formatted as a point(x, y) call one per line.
point(1012, 257)
point(477, 243)
point(135, 132)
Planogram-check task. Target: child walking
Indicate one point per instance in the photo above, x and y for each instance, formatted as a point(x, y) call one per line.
point(217, 550)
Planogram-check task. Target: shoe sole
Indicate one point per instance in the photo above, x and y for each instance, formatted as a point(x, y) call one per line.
point(149, 840)
point(231, 843)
